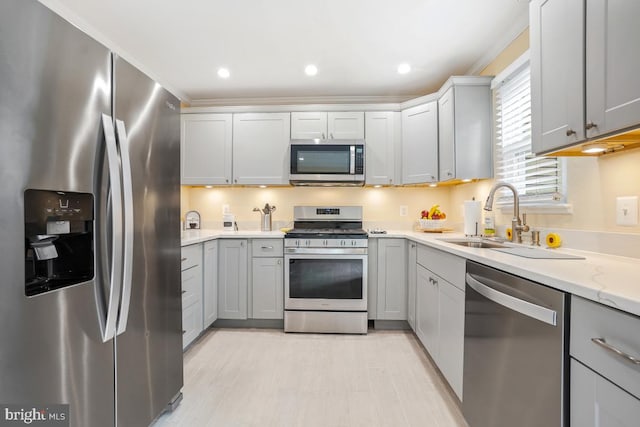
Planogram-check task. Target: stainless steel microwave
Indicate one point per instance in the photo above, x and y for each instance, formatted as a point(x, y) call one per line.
point(327, 162)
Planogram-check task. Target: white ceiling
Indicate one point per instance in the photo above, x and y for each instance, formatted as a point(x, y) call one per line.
point(356, 44)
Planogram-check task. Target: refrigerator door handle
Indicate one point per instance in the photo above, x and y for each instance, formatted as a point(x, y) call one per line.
point(127, 185)
point(108, 324)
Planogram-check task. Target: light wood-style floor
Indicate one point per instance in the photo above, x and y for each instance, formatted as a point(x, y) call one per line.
point(253, 377)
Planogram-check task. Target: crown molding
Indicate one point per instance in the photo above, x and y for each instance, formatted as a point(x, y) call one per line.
point(520, 24)
point(300, 100)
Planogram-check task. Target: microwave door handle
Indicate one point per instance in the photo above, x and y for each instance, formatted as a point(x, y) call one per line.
point(526, 308)
point(108, 319)
point(352, 162)
point(127, 190)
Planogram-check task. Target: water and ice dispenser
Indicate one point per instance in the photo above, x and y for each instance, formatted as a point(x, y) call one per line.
point(58, 230)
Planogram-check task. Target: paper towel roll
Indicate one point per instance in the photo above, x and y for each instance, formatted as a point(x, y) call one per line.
point(472, 218)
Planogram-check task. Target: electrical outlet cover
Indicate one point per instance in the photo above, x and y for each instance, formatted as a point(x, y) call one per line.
point(404, 210)
point(627, 210)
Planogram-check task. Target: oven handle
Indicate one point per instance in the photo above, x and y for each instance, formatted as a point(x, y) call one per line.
point(327, 252)
point(534, 311)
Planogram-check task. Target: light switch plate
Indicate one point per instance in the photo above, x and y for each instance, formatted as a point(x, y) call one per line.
point(627, 210)
point(404, 210)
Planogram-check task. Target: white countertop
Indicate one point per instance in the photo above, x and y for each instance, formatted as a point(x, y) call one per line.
point(607, 279)
point(190, 237)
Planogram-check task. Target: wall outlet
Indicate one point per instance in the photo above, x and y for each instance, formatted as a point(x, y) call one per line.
point(627, 210)
point(404, 210)
point(225, 209)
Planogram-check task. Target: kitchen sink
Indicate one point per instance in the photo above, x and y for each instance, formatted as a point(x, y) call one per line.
point(475, 243)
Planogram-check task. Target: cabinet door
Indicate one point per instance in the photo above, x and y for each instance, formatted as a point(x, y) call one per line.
point(267, 288)
point(191, 324)
point(345, 125)
point(210, 283)
point(411, 284)
point(205, 153)
point(420, 144)
point(309, 125)
point(613, 65)
point(372, 279)
point(450, 358)
point(597, 402)
point(261, 148)
point(446, 136)
point(557, 78)
point(427, 310)
point(392, 284)
point(382, 129)
point(232, 279)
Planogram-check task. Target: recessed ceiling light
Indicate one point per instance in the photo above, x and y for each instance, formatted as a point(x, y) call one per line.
point(311, 70)
point(594, 148)
point(223, 73)
point(404, 68)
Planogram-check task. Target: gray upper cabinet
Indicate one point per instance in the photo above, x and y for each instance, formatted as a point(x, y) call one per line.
point(261, 148)
point(205, 149)
point(323, 125)
point(420, 144)
point(464, 129)
point(232, 278)
point(577, 68)
point(557, 73)
point(383, 141)
point(308, 125)
point(613, 66)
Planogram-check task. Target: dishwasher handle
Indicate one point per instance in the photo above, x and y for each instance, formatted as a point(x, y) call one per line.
point(534, 311)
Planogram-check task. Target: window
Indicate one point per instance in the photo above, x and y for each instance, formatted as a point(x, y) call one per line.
point(537, 179)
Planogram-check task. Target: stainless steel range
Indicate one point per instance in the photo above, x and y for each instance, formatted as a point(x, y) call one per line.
point(326, 271)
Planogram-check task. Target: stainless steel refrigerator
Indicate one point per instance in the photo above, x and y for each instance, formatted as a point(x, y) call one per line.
point(90, 298)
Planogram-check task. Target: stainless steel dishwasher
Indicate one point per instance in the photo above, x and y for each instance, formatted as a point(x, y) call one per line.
point(515, 351)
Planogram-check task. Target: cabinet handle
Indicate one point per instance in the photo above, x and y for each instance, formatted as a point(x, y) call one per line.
point(602, 343)
point(184, 292)
point(449, 174)
point(226, 180)
point(413, 245)
point(390, 181)
point(323, 136)
point(331, 136)
point(279, 261)
point(183, 259)
point(241, 244)
point(267, 247)
point(184, 332)
point(570, 132)
point(590, 125)
point(235, 180)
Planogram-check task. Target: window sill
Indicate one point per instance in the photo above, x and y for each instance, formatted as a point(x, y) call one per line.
point(540, 208)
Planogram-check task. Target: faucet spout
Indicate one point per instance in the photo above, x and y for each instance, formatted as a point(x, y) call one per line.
point(516, 224)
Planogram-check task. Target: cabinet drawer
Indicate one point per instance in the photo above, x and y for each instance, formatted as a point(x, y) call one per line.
point(191, 255)
point(191, 285)
point(191, 324)
point(268, 248)
point(590, 321)
point(450, 267)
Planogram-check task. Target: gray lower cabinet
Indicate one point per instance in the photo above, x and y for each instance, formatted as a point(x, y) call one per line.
point(191, 278)
point(267, 279)
point(605, 380)
point(426, 310)
point(210, 283)
point(440, 311)
point(372, 279)
point(412, 264)
point(232, 278)
point(392, 283)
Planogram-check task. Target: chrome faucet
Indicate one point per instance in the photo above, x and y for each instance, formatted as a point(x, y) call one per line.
point(517, 226)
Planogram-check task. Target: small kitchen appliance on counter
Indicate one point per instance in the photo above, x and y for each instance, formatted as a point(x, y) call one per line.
point(192, 220)
point(325, 276)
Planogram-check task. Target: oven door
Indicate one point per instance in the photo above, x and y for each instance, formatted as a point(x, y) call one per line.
point(325, 282)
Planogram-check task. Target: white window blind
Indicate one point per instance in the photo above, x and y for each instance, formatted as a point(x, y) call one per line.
point(537, 179)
